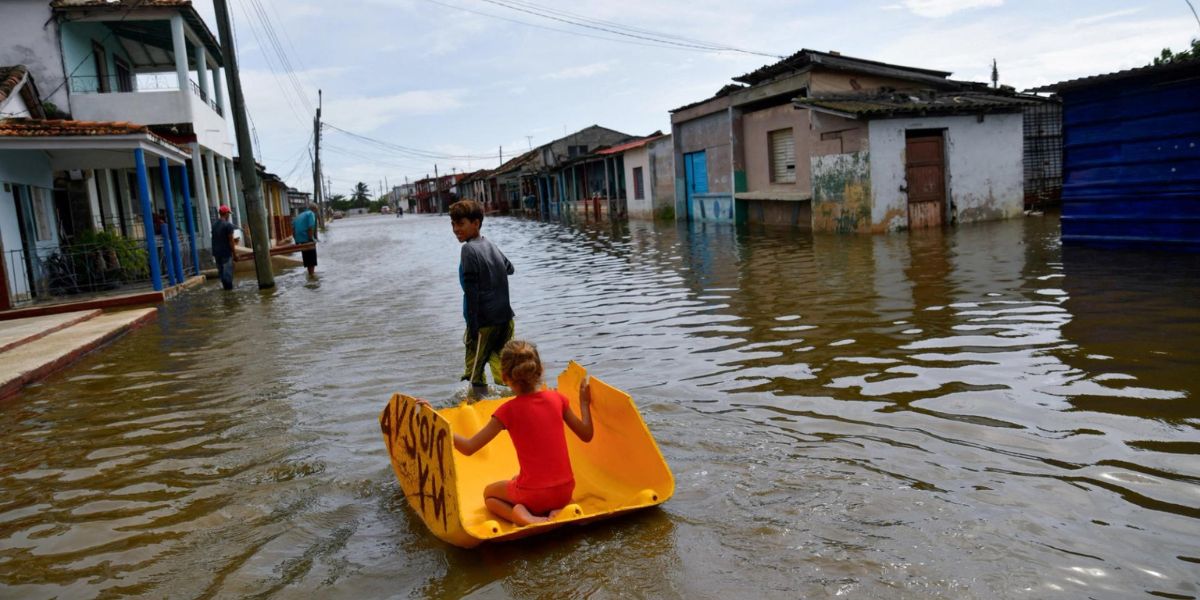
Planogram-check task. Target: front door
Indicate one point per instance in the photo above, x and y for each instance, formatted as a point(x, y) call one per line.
point(695, 166)
point(925, 171)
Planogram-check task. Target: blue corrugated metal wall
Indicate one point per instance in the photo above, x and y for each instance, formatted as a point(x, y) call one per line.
point(1131, 162)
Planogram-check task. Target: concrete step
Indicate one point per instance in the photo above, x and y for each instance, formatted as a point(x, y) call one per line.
point(32, 361)
point(22, 331)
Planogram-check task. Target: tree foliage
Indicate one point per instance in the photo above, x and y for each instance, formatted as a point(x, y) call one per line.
point(1168, 57)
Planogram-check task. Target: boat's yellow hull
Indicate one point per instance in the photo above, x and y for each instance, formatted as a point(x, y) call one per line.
point(620, 470)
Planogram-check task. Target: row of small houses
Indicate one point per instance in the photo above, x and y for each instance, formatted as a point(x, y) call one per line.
point(818, 141)
point(113, 137)
point(826, 142)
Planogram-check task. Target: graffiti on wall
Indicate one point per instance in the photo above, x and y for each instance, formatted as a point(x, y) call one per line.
point(420, 445)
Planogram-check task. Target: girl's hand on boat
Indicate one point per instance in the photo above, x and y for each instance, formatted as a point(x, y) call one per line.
point(424, 402)
point(585, 390)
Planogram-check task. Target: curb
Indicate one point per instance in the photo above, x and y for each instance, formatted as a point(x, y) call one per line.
point(87, 315)
point(46, 369)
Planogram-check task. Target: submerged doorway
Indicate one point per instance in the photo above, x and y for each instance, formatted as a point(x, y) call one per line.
point(925, 171)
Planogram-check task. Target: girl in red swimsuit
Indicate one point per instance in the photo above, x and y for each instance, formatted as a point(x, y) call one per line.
point(534, 422)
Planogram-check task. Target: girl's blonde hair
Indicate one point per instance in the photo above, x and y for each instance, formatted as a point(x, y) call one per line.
point(521, 366)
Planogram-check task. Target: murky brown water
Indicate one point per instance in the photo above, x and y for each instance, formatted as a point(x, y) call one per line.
point(974, 414)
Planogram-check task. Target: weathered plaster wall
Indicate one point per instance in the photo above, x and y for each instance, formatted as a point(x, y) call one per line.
point(842, 192)
point(28, 36)
point(756, 126)
point(638, 209)
point(984, 169)
point(662, 177)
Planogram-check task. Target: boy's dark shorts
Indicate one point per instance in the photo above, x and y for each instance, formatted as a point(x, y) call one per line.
point(310, 257)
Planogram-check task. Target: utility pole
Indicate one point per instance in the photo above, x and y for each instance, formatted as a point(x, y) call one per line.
point(318, 196)
point(257, 211)
point(501, 155)
point(437, 186)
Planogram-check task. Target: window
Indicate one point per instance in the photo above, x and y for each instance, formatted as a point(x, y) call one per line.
point(783, 156)
point(100, 62)
point(574, 151)
point(639, 189)
point(124, 75)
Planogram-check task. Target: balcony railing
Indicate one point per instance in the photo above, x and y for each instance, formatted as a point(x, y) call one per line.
point(93, 84)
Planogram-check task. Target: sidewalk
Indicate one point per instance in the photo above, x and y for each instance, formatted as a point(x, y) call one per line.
point(33, 348)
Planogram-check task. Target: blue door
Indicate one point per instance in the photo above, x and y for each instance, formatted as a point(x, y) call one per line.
point(695, 167)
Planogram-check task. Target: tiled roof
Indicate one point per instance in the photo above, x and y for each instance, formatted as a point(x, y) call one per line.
point(119, 4)
point(1192, 65)
point(65, 128)
point(915, 104)
point(9, 78)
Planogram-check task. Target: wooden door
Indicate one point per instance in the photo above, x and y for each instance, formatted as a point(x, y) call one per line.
point(925, 172)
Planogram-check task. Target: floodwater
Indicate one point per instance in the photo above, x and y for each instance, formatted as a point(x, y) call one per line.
point(976, 413)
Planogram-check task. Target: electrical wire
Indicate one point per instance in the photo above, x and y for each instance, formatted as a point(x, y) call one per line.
point(626, 31)
point(411, 152)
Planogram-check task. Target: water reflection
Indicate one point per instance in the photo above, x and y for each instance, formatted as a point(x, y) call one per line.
point(974, 412)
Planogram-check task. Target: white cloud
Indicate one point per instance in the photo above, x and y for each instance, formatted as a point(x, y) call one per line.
point(364, 114)
point(581, 71)
point(943, 8)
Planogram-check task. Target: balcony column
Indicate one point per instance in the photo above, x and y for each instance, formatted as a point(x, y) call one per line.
point(179, 43)
point(201, 196)
point(214, 190)
point(217, 90)
point(235, 193)
point(187, 213)
point(143, 181)
point(201, 59)
point(175, 262)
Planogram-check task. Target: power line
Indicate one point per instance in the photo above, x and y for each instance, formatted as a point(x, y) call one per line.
point(284, 59)
point(557, 29)
point(283, 88)
point(627, 32)
point(413, 152)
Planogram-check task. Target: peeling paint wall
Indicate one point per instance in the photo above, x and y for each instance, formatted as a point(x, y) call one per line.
point(984, 169)
point(709, 133)
point(841, 185)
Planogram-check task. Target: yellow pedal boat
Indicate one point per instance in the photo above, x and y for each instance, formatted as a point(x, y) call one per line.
point(620, 470)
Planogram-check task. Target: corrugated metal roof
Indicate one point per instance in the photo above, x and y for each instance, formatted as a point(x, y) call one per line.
point(630, 145)
point(1149, 70)
point(806, 58)
point(905, 104)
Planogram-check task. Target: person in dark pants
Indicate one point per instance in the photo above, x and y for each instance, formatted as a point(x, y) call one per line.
point(222, 247)
point(304, 230)
point(483, 273)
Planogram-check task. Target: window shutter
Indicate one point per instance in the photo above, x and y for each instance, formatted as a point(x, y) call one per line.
point(783, 156)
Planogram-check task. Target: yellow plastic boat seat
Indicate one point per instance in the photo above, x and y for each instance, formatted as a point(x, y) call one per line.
point(620, 470)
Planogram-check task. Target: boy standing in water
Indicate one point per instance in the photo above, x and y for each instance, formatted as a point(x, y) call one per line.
point(483, 273)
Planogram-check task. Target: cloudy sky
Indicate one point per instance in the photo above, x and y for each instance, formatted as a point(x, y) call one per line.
point(465, 78)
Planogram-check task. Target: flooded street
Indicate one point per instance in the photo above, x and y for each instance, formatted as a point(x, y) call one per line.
point(975, 413)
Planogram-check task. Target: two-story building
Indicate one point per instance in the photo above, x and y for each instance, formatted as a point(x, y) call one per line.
point(149, 62)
